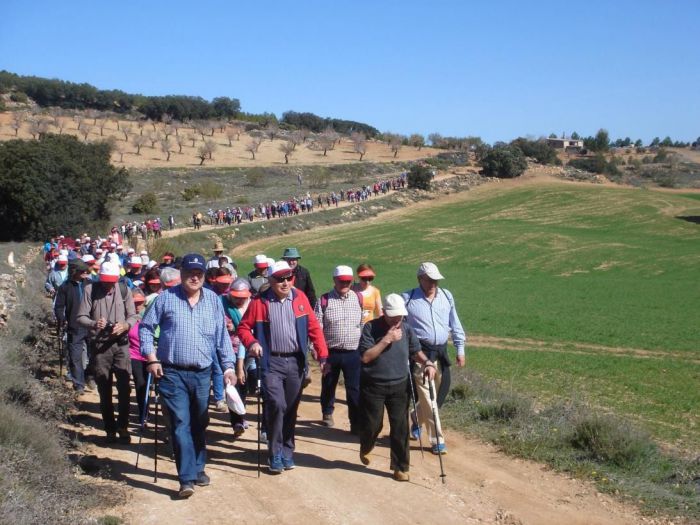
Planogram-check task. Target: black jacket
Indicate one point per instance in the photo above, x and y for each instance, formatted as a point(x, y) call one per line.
point(302, 281)
point(67, 303)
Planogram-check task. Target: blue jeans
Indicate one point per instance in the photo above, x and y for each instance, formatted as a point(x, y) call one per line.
point(77, 346)
point(217, 378)
point(348, 363)
point(185, 393)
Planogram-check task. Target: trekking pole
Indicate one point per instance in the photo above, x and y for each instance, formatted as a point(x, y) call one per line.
point(258, 389)
point(59, 335)
point(144, 416)
point(415, 410)
point(436, 419)
point(155, 439)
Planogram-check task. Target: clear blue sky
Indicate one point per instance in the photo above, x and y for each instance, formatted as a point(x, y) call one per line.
point(493, 69)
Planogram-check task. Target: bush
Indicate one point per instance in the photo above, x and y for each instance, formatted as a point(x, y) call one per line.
point(596, 164)
point(56, 185)
point(146, 203)
point(420, 177)
point(505, 162)
point(538, 150)
point(603, 438)
point(19, 97)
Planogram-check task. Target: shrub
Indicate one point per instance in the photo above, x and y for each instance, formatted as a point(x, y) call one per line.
point(146, 203)
point(596, 164)
point(420, 177)
point(538, 150)
point(19, 97)
point(603, 438)
point(505, 162)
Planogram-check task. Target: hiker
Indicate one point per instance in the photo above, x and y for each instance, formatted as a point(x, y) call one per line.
point(339, 312)
point(57, 276)
point(68, 299)
point(276, 328)
point(433, 316)
point(235, 303)
point(302, 277)
point(371, 298)
point(138, 362)
point(192, 330)
point(258, 277)
point(218, 252)
point(385, 347)
point(107, 310)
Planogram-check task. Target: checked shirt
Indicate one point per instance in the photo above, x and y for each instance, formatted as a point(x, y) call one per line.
point(341, 320)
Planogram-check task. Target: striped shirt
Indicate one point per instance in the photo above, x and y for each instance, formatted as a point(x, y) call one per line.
point(189, 335)
point(283, 328)
point(341, 320)
point(435, 321)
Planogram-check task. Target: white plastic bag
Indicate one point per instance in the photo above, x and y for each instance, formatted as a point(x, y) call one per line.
point(234, 401)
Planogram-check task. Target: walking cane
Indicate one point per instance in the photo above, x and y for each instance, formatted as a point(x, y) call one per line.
point(155, 439)
point(144, 416)
point(258, 389)
point(59, 335)
point(415, 410)
point(436, 419)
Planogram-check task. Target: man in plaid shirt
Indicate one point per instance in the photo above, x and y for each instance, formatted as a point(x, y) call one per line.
point(339, 313)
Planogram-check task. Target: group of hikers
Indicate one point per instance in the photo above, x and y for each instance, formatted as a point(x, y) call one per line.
point(198, 329)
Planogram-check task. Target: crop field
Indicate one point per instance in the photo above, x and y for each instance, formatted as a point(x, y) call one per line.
point(567, 291)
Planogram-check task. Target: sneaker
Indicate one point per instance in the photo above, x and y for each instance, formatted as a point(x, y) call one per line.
point(306, 382)
point(275, 464)
point(202, 479)
point(415, 432)
point(439, 449)
point(111, 437)
point(221, 406)
point(401, 476)
point(90, 386)
point(328, 420)
point(238, 430)
point(263, 437)
point(288, 463)
point(364, 458)
point(186, 490)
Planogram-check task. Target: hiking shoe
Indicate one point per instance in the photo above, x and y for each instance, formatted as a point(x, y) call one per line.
point(202, 479)
point(415, 432)
point(275, 464)
point(221, 406)
point(90, 386)
point(238, 430)
point(439, 449)
point(124, 436)
point(306, 382)
point(186, 490)
point(111, 437)
point(364, 458)
point(263, 437)
point(401, 476)
point(328, 420)
point(288, 463)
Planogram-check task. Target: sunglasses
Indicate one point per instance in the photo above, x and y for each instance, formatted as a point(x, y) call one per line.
point(284, 279)
point(367, 278)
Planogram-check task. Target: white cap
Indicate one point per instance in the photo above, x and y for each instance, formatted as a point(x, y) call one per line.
point(260, 261)
point(135, 261)
point(151, 264)
point(87, 238)
point(63, 258)
point(270, 261)
point(130, 250)
point(109, 272)
point(87, 258)
point(144, 252)
point(63, 252)
point(342, 271)
point(394, 305)
point(114, 258)
point(213, 263)
point(120, 247)
point(98, 250)
point(429, 269)
point(279, 268)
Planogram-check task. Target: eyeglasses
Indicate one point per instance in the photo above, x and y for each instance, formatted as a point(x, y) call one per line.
point(283, 279)
point(344, 283)
point(367, 278)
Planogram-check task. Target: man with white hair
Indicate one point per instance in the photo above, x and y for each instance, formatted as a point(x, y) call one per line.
point(107, 311)
point(433, 316)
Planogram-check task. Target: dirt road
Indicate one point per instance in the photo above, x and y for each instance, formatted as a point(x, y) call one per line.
point(330, 485)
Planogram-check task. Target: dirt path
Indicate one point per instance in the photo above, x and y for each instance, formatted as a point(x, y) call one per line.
point(330, 485)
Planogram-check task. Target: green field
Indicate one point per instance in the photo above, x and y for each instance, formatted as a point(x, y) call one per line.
point(596, 288)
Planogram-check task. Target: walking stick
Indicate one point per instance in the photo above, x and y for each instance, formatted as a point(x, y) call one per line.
point(436, 419)
point(155, 439)
point(415, 410)
point(144, 416)
point(59, 335)
point(258, 389)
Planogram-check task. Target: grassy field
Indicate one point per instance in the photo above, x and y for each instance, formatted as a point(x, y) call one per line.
point(573, 292)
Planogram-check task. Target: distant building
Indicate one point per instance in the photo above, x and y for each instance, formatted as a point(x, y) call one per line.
point(566, 144)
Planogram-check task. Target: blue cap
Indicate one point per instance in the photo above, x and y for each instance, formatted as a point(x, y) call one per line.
point(193, 261)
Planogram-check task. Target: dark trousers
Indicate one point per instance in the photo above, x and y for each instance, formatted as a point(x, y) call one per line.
point(76, 341)
point(185, 393)
point(373, 398)
point(282, 391)
point(112, 363)
point(140, 375)
point(349, 363)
